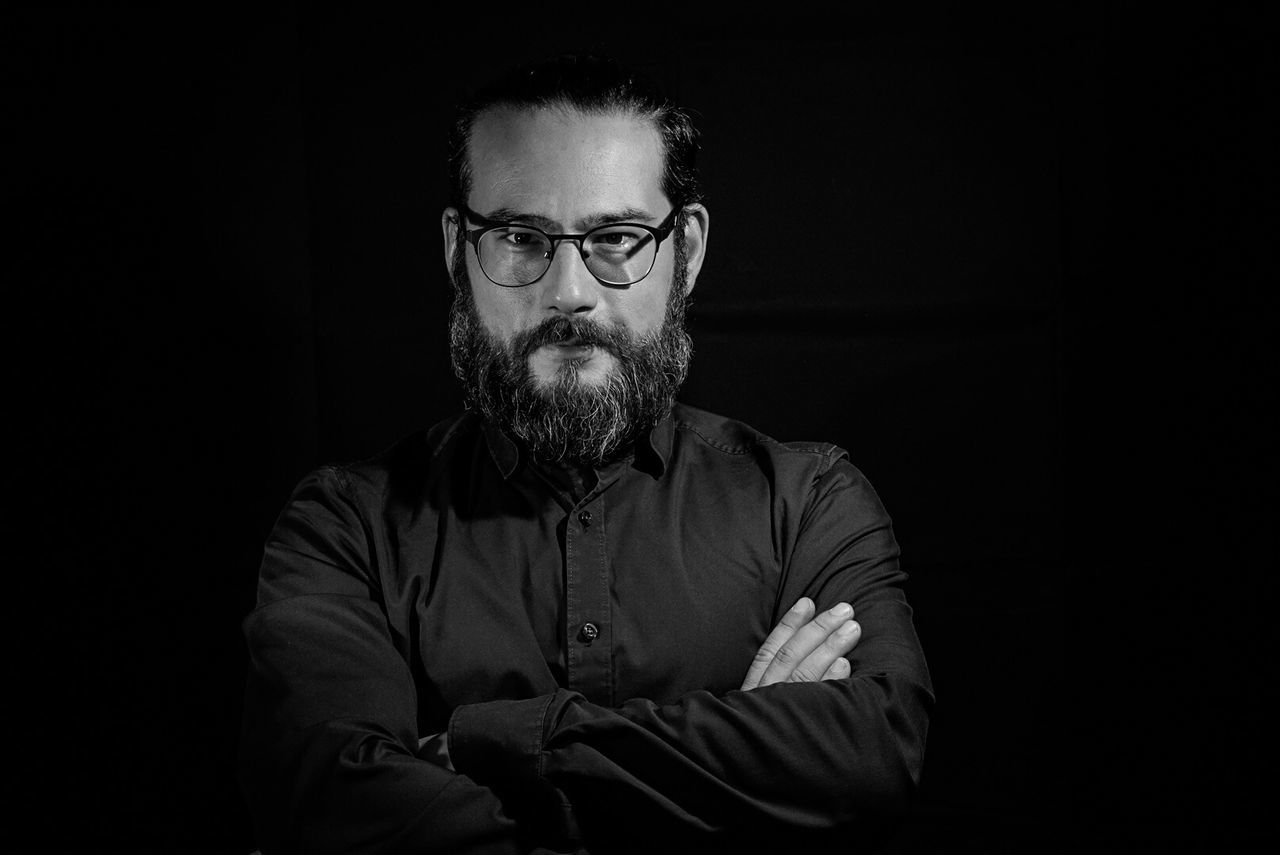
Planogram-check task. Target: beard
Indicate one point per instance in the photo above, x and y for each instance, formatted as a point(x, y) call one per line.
point(567, 420)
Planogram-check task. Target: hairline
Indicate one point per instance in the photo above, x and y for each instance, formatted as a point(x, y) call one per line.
point(567, 108)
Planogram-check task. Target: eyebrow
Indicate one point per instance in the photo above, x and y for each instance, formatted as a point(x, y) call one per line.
point(585, 224)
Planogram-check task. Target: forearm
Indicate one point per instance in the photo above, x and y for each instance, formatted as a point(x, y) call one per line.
point(341, 787)
point(328, 758)
point(790, 756)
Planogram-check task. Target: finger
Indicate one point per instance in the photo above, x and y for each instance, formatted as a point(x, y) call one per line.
point(836, 645)
point(803, 642)
point(796, 617)
point(838, 670)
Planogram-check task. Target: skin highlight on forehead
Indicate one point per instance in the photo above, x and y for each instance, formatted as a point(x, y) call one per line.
point(564, 166)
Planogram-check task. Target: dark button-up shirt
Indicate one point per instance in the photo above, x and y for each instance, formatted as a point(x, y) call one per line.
point(582, 641)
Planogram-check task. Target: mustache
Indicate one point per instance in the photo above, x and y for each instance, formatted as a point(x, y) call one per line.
point(561, 329)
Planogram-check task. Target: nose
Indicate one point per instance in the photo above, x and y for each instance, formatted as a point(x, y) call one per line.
point(569, 287)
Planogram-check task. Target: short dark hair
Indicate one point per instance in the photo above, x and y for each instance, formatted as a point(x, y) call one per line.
point(592, 85)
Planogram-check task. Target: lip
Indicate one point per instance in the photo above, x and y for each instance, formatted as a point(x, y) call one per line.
point(571, 349)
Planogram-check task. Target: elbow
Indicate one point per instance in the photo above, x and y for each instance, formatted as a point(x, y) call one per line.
point(898, 781)
point(909, 725)
point(884, 785)
point(890, 759)
point(331, 788)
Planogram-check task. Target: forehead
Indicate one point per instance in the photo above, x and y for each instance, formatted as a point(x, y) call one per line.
point(563, 163)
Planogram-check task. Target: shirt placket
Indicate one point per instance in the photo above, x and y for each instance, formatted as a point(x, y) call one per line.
point(589, 628)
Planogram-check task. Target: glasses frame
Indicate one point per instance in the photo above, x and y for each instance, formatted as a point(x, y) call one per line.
point(659, 233)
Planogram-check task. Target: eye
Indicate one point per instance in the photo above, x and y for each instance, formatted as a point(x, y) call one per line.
point(518, 239)
point(617, 239)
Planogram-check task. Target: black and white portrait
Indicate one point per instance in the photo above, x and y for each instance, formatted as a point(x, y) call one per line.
point(438, 439)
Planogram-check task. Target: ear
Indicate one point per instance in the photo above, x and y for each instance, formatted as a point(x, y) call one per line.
point(450, 222)
point(697, 226)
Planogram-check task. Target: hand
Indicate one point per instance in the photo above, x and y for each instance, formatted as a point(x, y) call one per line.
point(803, 648)
point(435, 748)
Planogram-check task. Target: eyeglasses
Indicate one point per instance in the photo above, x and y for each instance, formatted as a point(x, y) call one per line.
point(617, 254)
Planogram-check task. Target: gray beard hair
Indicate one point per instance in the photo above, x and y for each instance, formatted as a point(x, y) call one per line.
point(567, 420)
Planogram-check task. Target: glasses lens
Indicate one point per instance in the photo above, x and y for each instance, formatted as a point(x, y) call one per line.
point(620, 255)
point(514, 256)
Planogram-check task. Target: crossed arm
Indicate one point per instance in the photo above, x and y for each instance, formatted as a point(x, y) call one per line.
point(333, 758)
point(805, 646)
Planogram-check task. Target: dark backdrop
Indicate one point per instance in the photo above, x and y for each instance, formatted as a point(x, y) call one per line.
point(1016, 271)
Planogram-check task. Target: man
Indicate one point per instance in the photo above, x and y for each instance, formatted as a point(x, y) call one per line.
point(579, 617)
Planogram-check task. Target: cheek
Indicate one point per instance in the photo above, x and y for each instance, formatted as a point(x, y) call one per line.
point(499, 309)
point(649, 307)
point(654, 311)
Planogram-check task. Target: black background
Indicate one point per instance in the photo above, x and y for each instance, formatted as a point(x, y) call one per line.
point(1016, 270)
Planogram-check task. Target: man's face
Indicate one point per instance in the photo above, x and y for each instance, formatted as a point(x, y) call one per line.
point(573, 366)
point(566, 172)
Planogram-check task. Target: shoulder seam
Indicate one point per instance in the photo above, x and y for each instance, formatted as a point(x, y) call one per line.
point(828, 450)
point(690, 427)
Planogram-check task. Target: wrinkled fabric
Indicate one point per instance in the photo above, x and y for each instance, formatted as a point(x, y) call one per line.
point(582, 642)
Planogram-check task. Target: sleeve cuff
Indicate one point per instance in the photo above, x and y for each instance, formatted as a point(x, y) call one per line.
point(499, 741)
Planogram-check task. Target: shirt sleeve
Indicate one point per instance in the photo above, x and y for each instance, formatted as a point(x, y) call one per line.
point(328, 754)
point(787, 762)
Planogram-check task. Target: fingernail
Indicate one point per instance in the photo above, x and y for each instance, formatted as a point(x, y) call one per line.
point(848, 628)
point(841, 610)
point(802, 605)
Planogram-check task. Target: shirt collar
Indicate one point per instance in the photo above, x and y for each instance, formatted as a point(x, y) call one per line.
point(651, 455)
point(653, 451)
point(505, 453)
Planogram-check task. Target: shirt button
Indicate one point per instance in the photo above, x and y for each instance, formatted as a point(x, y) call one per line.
point(585, 518)
point(589, 632)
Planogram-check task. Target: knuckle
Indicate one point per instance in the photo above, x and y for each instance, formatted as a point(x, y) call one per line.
point(828, 622)
point(785, 656)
